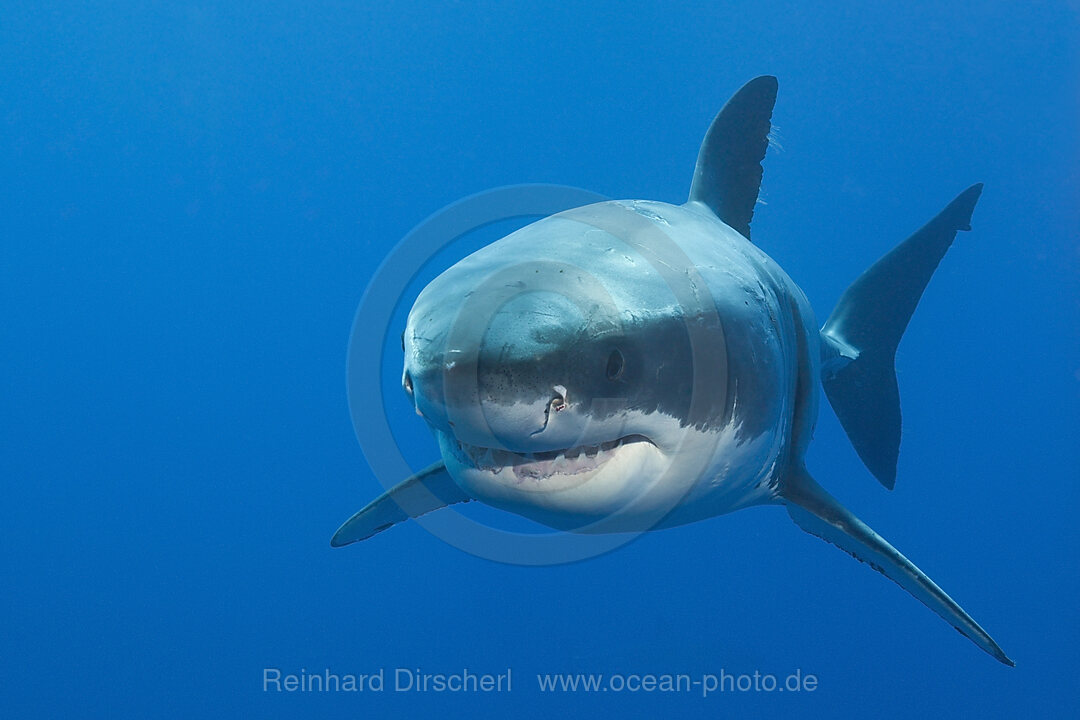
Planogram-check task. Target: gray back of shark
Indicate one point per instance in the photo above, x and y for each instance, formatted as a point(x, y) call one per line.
point(636, 365)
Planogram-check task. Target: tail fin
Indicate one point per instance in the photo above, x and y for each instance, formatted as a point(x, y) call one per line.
point(818, 513)
point(865, 328)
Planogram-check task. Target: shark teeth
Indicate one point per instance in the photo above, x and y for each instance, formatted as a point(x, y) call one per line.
point(545, 463)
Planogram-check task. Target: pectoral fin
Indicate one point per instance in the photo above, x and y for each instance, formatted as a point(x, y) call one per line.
point(430, 489)
point(819, 513)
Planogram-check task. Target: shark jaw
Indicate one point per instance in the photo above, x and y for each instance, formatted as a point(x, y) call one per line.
point(583, 477)
point(543, 465)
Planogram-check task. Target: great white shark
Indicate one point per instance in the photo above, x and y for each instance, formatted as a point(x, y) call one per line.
point(634, 365)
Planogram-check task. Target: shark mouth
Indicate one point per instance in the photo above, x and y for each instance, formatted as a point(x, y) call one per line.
point(544, 464)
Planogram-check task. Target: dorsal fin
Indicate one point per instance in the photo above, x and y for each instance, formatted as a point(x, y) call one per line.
point(728, 173)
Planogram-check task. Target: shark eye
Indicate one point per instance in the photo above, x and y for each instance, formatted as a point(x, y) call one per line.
point(408, 384)
point(615, 365)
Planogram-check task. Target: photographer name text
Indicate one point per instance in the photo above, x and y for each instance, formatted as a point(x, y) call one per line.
point(402, 680)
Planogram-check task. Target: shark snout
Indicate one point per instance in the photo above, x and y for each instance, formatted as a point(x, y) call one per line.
point(496, 376)
point(481, 406)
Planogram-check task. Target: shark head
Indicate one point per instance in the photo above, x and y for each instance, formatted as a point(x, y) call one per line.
point(557, 370)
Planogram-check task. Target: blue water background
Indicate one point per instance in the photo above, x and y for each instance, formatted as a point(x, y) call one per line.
point(195, 195)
